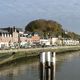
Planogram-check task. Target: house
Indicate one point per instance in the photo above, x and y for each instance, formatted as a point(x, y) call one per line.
point(30, 38)
point(70, 42)
point(45, 42)
point(8, 36)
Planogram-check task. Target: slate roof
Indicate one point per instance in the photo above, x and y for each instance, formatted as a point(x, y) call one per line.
point(3, 31)
point(10, 29)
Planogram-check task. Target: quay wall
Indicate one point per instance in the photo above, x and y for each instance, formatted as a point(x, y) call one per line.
point(8, 56)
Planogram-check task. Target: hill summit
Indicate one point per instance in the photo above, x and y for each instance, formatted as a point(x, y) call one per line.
point(45, 27)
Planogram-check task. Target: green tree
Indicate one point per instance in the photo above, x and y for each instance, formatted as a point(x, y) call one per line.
point(46, 28)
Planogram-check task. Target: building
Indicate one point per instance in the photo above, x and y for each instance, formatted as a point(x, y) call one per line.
point(16, 36)
point(8, 37)
point(29, 38)
point(70, 42)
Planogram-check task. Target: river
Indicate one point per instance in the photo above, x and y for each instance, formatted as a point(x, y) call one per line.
point(67, 68)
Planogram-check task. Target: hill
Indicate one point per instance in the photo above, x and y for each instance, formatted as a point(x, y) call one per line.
point(45, 27)
point(49, 28)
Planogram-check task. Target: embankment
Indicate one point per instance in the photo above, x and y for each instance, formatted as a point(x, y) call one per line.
point(7, 56)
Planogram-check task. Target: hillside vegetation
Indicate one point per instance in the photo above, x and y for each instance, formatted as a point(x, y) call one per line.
point(49, 28)
point(45, 27)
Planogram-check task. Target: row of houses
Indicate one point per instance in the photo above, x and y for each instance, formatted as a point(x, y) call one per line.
point(70, 42)
point(59, 42)
point(10, 37)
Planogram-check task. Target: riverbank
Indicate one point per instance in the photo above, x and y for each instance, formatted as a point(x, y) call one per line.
point(7, 56)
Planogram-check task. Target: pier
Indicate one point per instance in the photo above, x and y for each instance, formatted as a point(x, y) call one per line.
point(47, 65)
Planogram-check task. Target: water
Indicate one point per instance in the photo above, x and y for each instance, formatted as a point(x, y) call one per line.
point(67, 68)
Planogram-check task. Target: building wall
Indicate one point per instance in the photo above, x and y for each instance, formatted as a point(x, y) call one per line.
point(31, 39)
point(8, 39)
point(35, 38)
point(71, 42)
point(15, 37)
point(54, 41)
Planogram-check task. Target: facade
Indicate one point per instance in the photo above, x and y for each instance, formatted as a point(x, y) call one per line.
point(50, 41)
point(7, 39)
point(59, 42)
point(28, 38)
point(70, 42)
point(54, 41)
point(16, 37)
point(45, 42)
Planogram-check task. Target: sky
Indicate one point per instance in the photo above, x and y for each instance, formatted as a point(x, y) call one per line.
point(20, 12)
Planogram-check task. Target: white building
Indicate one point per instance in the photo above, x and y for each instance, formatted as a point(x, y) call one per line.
point(45, 42)
point(48, 42)
point(70, 42)
point(54, 41)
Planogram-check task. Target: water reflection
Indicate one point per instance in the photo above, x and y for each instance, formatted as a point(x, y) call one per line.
point(62, 60)
point(67, 67)
point(18, 70)
point(47, 65)
point(25, 71)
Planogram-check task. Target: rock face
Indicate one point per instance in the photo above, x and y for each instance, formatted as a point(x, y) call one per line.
point(45, 27)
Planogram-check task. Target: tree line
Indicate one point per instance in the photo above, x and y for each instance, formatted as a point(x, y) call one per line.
point(49, 28)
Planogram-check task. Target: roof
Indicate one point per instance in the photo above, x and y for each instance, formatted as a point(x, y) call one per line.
point(27, 32)
point(11, 29)
point(19, 29)
point(3, 31)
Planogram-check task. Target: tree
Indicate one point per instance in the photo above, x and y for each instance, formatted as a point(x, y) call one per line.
point(46, 28)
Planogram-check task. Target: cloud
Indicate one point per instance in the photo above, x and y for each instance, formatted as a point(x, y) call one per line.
point(20, 12)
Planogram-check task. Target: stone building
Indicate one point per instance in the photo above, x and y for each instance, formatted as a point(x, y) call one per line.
point(15, 36)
